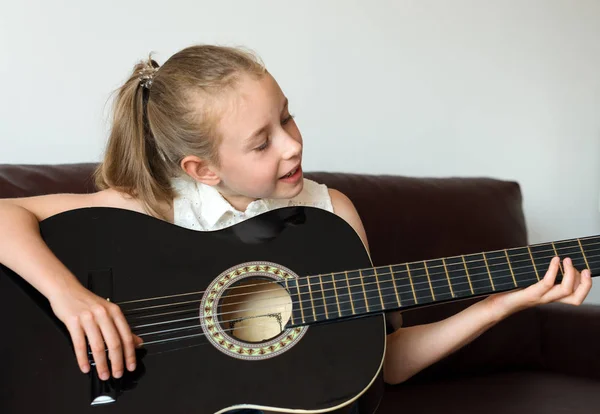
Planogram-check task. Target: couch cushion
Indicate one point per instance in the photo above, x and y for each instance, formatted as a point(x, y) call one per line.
point(513, 392)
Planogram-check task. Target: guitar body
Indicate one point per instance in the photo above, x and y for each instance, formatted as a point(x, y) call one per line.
point(131, 258)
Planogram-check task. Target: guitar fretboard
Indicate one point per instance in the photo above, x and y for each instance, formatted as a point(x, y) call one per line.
point(319, 298)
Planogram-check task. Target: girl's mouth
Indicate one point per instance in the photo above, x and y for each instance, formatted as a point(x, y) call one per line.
point(293, 175)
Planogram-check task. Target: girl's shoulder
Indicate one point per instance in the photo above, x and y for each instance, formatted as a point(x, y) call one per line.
point(118, 199)
point(314, 191)
point(335, 201)
point(343, 207)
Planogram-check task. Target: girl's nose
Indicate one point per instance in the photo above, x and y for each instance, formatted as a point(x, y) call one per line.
point(292, 147)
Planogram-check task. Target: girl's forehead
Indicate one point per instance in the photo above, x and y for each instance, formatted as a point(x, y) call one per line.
point(248, 106)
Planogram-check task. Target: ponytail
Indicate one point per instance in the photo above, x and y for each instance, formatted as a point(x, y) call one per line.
point(132, 162)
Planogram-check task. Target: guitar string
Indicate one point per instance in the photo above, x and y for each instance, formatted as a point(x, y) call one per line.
point(402, 274)
point(194, 310)
point(159, 341)
point(375, 269)
point(325, 304)
point(378, 289)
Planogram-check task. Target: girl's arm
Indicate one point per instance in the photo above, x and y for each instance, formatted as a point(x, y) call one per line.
point(411, 349)
point(85, 314)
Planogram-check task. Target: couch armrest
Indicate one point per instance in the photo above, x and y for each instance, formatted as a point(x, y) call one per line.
point(570, 339)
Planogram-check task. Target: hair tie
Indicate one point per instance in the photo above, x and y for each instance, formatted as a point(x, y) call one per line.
point(147, 75)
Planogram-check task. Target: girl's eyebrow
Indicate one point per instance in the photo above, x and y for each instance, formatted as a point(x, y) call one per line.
point(262, 129)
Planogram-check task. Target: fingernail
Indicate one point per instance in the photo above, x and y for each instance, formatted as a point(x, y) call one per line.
point(131, 367)
point(118, 374)
point(567, 261)
point(85, 369)
point(104, 376)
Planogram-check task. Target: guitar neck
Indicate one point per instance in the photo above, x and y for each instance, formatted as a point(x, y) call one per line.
point(352, 293)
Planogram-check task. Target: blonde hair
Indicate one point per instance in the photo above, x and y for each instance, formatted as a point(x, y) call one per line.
point(163, 114)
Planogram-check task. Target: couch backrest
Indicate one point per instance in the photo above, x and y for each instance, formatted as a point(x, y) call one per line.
point(405, 218)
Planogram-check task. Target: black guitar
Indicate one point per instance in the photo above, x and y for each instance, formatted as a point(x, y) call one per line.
point(282, 312)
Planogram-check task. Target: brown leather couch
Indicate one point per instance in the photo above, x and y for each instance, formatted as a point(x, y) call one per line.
point(544, 360)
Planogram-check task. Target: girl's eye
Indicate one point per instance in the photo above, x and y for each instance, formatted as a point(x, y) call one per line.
point(263, 146)
point(287, 119)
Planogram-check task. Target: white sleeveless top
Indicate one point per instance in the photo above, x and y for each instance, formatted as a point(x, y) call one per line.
point(201, 207)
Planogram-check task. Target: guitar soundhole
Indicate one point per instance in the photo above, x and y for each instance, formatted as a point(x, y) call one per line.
point(255, 310)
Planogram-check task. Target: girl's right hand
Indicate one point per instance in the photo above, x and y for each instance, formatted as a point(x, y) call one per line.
point(102, 322)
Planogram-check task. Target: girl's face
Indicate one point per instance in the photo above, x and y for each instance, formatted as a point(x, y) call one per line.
point(260, 144)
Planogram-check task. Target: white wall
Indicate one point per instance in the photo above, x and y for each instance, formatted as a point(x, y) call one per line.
point(507, 89)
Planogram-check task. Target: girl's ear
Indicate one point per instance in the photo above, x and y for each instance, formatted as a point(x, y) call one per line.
point(200, 170)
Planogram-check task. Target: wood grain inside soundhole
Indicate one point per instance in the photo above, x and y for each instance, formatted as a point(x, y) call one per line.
point(255, 310)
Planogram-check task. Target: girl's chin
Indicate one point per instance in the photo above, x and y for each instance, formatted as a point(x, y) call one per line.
point(286, 192)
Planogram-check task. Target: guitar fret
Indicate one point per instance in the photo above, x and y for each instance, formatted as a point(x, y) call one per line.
point(343, 294)
point(373, 297)
point(429, 280)
point(487, 267)
point(331, 299)
point(533, 262)
point(591, 247)
point(481, 280)
point(300, 301)
point(412, 286)
point(440, 280)
point(571, 249)
point(467, 273)
point(522, 266)
point(318, 303)
point(448, 277)
point(340, 299)
point(364, 290)
point(312, 302)
point(337, 300)
point(387, 290)
point(302, 287)
point(542, 255)
point(357, 290)
point(403, 285)
point(500, 270)
point(460, 284)
point(395, 287)
point(291, 286)
point(560, 263)
point(587, 265)
point(510, 267)
point(378, 288)
point(419, 278)
point(323, 294)
point(350, 294)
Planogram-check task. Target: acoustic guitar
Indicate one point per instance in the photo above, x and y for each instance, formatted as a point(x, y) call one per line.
point(282, 312)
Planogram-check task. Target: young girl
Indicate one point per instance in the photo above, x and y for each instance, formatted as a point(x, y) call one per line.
point(204, 142)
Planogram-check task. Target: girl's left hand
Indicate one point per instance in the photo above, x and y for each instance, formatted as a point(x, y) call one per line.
point(572, 290)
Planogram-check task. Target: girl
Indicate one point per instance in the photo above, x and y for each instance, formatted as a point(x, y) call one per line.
point(204, 142)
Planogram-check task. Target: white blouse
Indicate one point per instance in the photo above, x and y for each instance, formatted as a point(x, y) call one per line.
point(201, 207)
